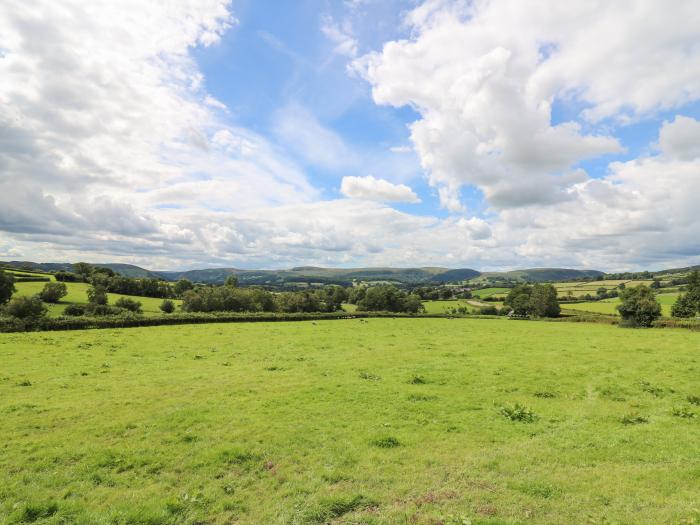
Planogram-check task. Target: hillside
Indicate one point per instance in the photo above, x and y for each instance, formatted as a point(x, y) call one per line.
point(304, 275)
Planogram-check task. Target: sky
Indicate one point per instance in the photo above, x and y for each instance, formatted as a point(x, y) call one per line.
point(493, 134)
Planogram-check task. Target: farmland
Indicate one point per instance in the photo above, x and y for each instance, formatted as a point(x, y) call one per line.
point(77, 294)
point(383, 421)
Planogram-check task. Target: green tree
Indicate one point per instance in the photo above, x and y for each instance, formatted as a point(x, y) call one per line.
point(543, 301)
point(639, 306)
point(518, 299)
point(129, 304)
point(602, 292)
point(167, 306)
point(7, 286)
point(97, 295)
point(693, 288)
point(231, 280)
point(684, 307)
point(413, 304)
point(53, 292)
point(82, 269)
point(182, 286)
point(26, 307)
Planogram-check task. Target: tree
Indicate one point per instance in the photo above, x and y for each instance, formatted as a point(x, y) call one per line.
point(167, 306)
point(519, 299)
point(655, 284)
point(543, 301)
point(97, 295)
point(231, 280)
point(413, 304)
point(602, 292)
point(639, 306)
point(182, 286)
point(26, 307)
point(53, 292)
point(693, 288)
point(82, 269)
point(684, 307)
point(129, 304)
point(7, 286)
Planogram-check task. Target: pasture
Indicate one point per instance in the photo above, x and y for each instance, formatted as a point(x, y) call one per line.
point(77, 294)
point(378, 422)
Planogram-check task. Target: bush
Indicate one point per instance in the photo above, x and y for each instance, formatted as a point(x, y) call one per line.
point(167, 306)
point(488, 310)
point(639, 307)
point(26, 307)
point(53, 292)
point(684, 307)
point(97, 295)
point(7, 286)
point(74, 310)
point(128, 304)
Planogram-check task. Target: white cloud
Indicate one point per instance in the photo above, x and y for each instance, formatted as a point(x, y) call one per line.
point(680, 139)
point(485, 75)
point(372, 189)
point(341, 36)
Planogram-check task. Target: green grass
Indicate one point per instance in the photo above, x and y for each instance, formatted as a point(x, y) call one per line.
point(377, 422)
point(441, 307)
point(609, 306)
point(488, 292)
point(77, 294)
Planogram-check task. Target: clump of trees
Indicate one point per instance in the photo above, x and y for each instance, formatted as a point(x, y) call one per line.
point(386, 298)
point(53, 292)
point(688, 304)
point(638, 307)
point(167, 306)
point(25, 308)
point(539, 300)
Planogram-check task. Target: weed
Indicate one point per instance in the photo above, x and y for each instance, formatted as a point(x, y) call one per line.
point(26, 382)
point(518, 412)
point(417, 380)
point(545, 394)
point(368, 376)
point(32, 512)
point(683, 412)
point(333, 508)
point(651, 389)
point(694, 400)
point(386, 442)
point(633, 419)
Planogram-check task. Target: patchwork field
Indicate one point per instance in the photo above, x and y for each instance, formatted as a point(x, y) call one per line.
point(609, 306)
point(385, 421)
point(77, 294)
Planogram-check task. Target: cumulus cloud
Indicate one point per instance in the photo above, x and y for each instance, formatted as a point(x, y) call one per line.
point(680, 139)
point(104, 122)
point(372, 189)
point(484, 77)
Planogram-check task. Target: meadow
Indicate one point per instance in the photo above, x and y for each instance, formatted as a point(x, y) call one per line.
point(77, 294)
point(379, 421)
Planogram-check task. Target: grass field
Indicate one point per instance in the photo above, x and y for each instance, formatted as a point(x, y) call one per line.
point(386, 421)
point(441, 307)
point(77, 294)
point(488, 292)
point(609, 306)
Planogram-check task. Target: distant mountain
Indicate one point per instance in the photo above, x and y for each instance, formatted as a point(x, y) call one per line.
point(342, 276)
point(127, 270)
point(541, 275)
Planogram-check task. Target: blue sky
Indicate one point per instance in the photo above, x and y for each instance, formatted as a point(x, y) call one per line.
point(269, 134)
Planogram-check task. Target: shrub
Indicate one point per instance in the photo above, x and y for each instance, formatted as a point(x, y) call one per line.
point(167, 306)
point(518, 412)
point(128, 304)
point(7, 286)
point(74, 310)
point(53, 292)
point(97, 295)
point(684, 307)
point(26, 307)
point(488, 310)
point(639, 307)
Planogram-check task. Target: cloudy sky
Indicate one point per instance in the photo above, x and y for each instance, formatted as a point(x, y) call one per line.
point(267, 134)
